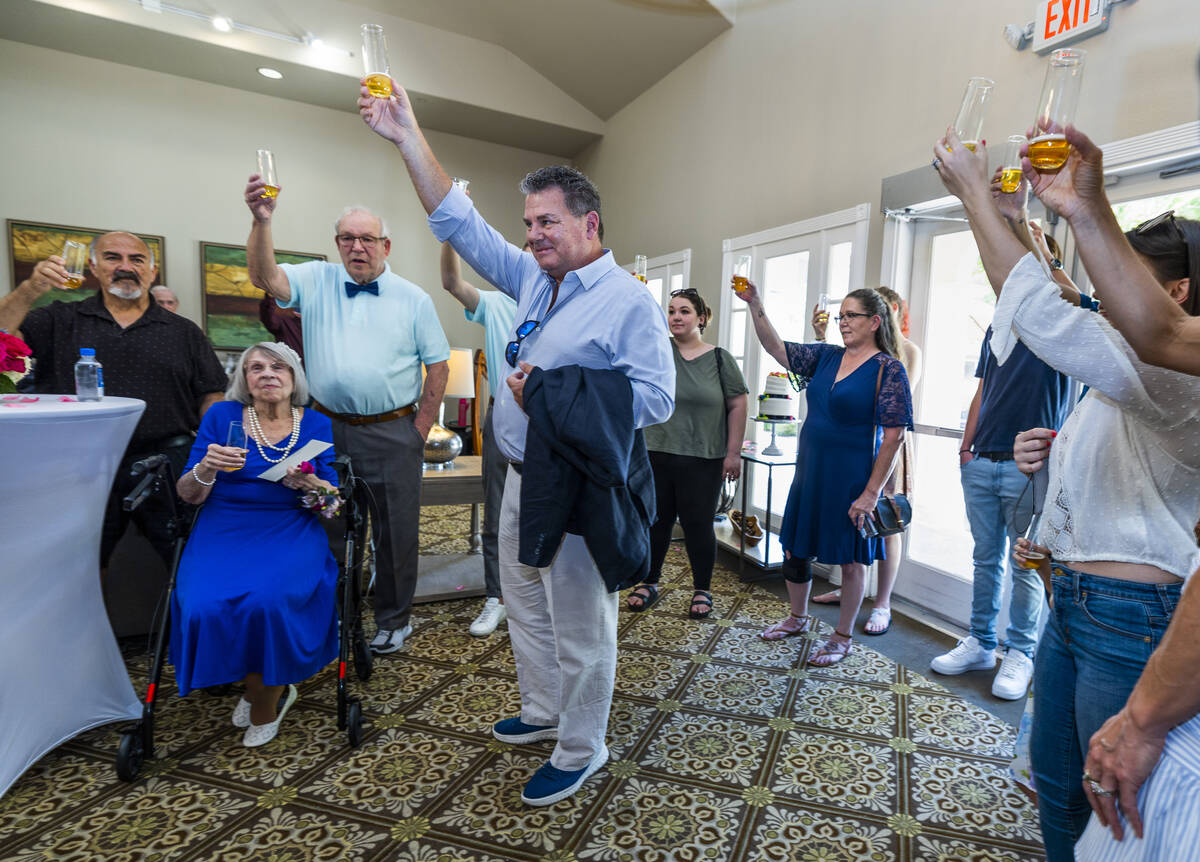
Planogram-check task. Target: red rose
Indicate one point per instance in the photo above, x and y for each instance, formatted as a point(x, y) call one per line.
point(13, 346)
point(306, 467)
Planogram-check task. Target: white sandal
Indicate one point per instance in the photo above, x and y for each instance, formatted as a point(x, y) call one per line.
point(879, 617)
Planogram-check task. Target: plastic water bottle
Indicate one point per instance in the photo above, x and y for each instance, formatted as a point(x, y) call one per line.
point(89, 376)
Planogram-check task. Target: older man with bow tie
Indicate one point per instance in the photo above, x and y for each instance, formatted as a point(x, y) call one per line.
point(367, 332)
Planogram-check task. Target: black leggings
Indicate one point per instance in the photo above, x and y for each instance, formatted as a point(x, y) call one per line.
point(687, 488)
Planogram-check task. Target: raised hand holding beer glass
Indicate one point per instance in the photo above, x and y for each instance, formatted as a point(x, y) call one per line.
point(1078, 183)
point(266, 170)
point(963, 171)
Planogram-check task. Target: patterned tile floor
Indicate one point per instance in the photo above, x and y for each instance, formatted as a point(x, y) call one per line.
point(723, 748)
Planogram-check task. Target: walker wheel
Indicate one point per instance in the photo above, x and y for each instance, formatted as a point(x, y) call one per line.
point(354, 720)
point(129, 755)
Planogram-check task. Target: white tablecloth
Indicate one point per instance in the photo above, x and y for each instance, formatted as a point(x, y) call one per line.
point(60, 670)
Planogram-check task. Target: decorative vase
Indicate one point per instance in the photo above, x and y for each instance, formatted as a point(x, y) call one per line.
point(442, 445)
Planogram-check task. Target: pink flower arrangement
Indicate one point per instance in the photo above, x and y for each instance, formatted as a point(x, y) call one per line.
point(14, 361)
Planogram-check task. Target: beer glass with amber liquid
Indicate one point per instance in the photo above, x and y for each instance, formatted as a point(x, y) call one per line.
point(461, 183)
point(235, 439)
point(1010, 173)
point(375, 62)
point(823, 309)
point(639, 267)
point(741, 272)
point(1048, 148)
point(968, 125)
point(74, 260)
point(1026, 556)
point(266, 170)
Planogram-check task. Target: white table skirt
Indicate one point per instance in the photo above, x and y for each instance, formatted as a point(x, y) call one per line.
point(61, 672)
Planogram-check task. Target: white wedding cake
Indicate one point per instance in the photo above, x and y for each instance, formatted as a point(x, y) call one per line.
point(775, 403)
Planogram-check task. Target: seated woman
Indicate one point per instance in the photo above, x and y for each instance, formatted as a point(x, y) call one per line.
point(255, 593)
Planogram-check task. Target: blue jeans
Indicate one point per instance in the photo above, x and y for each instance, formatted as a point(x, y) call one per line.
point(1098, 639)
point(992, 490)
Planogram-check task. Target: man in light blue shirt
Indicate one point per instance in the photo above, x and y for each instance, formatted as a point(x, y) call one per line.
point(367, 332)
point(576, 307)
point(494, 311)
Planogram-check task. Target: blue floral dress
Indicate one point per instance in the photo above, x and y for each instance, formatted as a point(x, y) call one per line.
point(836, 450)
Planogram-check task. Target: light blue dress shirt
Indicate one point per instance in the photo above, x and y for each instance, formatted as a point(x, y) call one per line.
point(495, 313)
point(604, 318)
point(364, 354)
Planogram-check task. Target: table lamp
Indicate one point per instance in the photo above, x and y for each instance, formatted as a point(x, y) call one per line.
point(443, 445)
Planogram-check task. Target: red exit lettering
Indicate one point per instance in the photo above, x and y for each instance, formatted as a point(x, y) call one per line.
point(1062, 16)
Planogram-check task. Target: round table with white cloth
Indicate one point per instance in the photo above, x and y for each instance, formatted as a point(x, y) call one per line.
point(61, 672)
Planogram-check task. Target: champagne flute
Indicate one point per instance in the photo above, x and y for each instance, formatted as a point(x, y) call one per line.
point(968, 125)
point(375, 62)
point(741, 272)
point(75, 259)
point(266, 169)
point(1010, 172)
point(823, 308)
point(639, 267)
point(1048, 148)
point(236, 439)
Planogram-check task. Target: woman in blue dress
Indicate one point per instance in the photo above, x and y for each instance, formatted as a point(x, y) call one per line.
point(255, 594)
point(847, 446)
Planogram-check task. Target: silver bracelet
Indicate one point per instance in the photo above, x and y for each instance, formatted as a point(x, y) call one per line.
point(196, 476)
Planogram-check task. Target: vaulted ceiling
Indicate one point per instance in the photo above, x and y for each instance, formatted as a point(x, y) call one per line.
point(538, 74)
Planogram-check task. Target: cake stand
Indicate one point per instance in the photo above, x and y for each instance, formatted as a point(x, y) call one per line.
point(773, 449)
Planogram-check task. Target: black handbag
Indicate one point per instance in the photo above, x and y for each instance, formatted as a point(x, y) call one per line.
point(893, 512)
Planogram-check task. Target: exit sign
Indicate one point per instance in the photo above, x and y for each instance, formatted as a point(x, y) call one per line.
point(1061, 22)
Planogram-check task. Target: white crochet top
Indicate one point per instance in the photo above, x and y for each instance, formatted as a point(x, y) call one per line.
point(1125, 468)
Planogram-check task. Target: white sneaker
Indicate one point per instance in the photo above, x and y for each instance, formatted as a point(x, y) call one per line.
point(492, 615)
point(1012, 681)
point(390, 640)
point(968, 655)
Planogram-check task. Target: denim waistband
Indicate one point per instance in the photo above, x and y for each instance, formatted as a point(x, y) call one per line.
point(1074, 583)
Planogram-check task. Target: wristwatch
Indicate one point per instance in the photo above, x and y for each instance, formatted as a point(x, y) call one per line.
point(1055, 263)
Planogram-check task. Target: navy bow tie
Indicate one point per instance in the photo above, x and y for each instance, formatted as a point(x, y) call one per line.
point(352, 289)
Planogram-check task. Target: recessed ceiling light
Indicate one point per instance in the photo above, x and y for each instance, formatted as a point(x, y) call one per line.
point(221, 23)
point(268, 72)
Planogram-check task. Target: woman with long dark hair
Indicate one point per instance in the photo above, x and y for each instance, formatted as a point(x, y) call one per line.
point(859, 405)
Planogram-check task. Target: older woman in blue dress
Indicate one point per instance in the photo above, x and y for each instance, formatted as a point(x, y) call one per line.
point(255, 594)
point(859, 406)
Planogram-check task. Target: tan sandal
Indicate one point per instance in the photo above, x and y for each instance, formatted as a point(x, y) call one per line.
point(782, 630)
point(832, 651)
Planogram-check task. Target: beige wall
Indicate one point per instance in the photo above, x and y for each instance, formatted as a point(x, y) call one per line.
point(802, 108)
point(160, 154)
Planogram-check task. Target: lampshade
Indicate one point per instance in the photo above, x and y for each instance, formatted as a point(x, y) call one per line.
point(461, 382)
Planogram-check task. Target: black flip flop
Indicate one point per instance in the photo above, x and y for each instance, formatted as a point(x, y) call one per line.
point(701, 597)
point(648, 600)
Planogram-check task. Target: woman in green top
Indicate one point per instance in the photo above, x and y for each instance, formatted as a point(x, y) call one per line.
point(694, 450)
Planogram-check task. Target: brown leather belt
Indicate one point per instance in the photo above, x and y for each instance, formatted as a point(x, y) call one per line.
point(355, 419)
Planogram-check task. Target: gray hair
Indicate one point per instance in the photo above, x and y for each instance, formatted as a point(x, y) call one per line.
point(162, 288)
point(383, 227)
point(238, 391)
point(92, 246)
point(579, 194)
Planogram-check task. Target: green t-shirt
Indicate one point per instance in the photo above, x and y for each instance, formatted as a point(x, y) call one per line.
point(698, 427)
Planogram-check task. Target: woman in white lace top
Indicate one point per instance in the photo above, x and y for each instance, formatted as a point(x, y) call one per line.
point(1123, 496)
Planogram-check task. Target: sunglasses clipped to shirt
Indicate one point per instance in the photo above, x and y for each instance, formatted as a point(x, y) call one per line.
point(514, 347)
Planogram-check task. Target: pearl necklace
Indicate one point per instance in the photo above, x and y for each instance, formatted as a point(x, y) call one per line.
point(260, 439)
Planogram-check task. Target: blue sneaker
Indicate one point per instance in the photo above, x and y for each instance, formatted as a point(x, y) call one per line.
point(550, 785)
point(517, 732)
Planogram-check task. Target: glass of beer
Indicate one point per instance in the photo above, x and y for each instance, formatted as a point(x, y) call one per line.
point(1048, 148)
point(741, 272)
point(968, 125)
point(1010, 173)
point(375, 62)
point(823, 308)
point(639, 267)
point(461, 183)
point(74, 260)
point(266, 170)
point(235, 439)
point(1026, 556)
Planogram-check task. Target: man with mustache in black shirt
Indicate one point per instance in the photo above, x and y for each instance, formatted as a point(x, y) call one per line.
point(147, 352)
